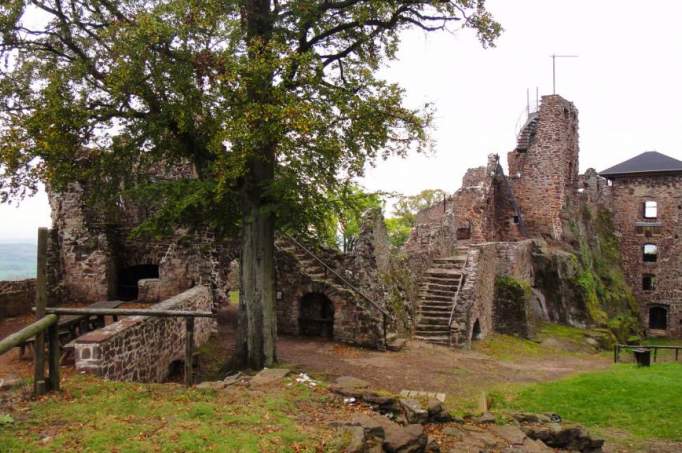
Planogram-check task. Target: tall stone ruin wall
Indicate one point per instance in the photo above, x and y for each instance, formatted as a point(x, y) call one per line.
point(545, 175)
point(141, 348)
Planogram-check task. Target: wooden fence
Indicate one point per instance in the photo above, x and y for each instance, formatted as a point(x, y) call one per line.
point(655, 348)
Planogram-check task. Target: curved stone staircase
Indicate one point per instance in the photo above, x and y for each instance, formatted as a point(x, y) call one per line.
point(438, 294)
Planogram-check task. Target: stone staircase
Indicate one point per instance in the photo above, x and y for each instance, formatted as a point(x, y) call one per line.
point(527, 133)
point(439, 288)
point(310, 265)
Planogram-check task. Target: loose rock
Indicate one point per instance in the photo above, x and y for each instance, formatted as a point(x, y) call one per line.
point(269, 376)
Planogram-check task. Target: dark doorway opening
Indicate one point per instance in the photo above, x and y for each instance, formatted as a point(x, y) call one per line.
point(129, 276)
point(316, 316)
point(476, 333)
point(658, 318)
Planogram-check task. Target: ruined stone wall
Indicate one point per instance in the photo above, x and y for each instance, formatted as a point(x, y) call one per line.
point(16, 297)
point(87, 255)
point(476, 299)
point(435, 212)
point(546, 174)
point(140, 348)
point(629, 195)
point(355, 320)
point(80, 249)
point(512, 314)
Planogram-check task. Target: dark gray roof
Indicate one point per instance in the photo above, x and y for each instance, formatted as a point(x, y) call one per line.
point(648, 162)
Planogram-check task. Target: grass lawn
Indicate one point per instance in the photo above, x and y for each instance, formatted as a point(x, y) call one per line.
point(567, 340)
point(645, 402)
point(93, 415)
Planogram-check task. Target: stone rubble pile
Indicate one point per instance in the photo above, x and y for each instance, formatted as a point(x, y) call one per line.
point(398, 425)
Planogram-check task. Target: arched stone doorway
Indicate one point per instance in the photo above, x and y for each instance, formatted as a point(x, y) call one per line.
point(658, 318)
point(316, 316)
point(129, 277)
point(476, 333)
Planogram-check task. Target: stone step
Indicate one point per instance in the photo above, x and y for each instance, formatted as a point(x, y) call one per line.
point(440, 287)
point(441, 340)
point(442, 281)
point(434, 321)
point(439, 292)
point(436, 303)
point(443, 273)
point(451, 259)
point(436, 299)
point(435, 308)
point(429, 331)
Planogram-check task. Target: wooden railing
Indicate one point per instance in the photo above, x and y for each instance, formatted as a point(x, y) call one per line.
point(37, 330)
point(188, 315)
point(618, 347)
point(339, 276)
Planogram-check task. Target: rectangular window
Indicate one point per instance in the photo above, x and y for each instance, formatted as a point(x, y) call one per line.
point(650, 210)
point(650, 253)
point(648, 282)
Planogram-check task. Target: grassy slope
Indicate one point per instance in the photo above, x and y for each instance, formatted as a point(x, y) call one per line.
point(646, 402)
point(95, 415)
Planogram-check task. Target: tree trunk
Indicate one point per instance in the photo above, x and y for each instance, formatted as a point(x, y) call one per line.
point(257, 329)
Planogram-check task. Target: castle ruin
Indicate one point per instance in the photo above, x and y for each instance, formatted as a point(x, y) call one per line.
point(526, 226)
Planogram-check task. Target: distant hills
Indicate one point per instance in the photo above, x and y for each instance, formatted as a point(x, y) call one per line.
point(17, 260)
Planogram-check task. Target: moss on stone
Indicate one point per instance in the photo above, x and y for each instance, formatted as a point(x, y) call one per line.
point(609, 301)
point(512, 289)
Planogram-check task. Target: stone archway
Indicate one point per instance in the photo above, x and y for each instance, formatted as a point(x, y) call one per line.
point(316, 315)
point(129, 277)
point(476, 333)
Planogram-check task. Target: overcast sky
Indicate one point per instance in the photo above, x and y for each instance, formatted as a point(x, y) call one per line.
point(625, 83)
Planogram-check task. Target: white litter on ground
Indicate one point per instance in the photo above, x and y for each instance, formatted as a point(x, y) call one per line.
point(304, 379)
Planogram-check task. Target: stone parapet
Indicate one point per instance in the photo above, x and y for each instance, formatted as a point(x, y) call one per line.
point(142, 348)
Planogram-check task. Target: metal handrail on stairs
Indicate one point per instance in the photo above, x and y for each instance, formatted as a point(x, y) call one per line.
point(339, 276)
point(459, 289)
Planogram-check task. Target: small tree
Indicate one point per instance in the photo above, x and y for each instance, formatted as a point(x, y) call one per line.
point(405, 211)
point(274, 103)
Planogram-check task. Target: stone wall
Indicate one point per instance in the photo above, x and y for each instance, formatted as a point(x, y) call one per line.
point(512, 314)
point(356, 320)
point(88, 253)
point(545, 175)
point(628, 195)
point(474, 305)
point(16, 297)
point(140, 348)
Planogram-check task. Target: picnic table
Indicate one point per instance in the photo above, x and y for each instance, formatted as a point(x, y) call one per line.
point(70, 327)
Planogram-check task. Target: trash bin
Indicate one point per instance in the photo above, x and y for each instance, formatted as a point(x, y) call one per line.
point(642, 356)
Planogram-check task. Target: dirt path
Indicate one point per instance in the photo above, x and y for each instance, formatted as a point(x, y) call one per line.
point(419, 366)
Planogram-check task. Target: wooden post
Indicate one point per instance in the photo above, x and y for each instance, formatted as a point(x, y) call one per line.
point(677, 351)
point(655, 354)
point(189, 349)
point(39, 386)
point(53, 355)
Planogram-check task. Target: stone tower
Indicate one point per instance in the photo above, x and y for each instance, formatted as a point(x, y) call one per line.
point(543, 169)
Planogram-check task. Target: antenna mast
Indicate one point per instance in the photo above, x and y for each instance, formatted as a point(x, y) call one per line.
point(554, 57)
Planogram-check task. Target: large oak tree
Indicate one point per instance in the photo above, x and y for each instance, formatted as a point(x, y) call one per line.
point(275, 104)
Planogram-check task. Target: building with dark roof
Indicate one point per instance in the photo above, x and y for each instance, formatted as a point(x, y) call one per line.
point(646, 201)
point(650, 162)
